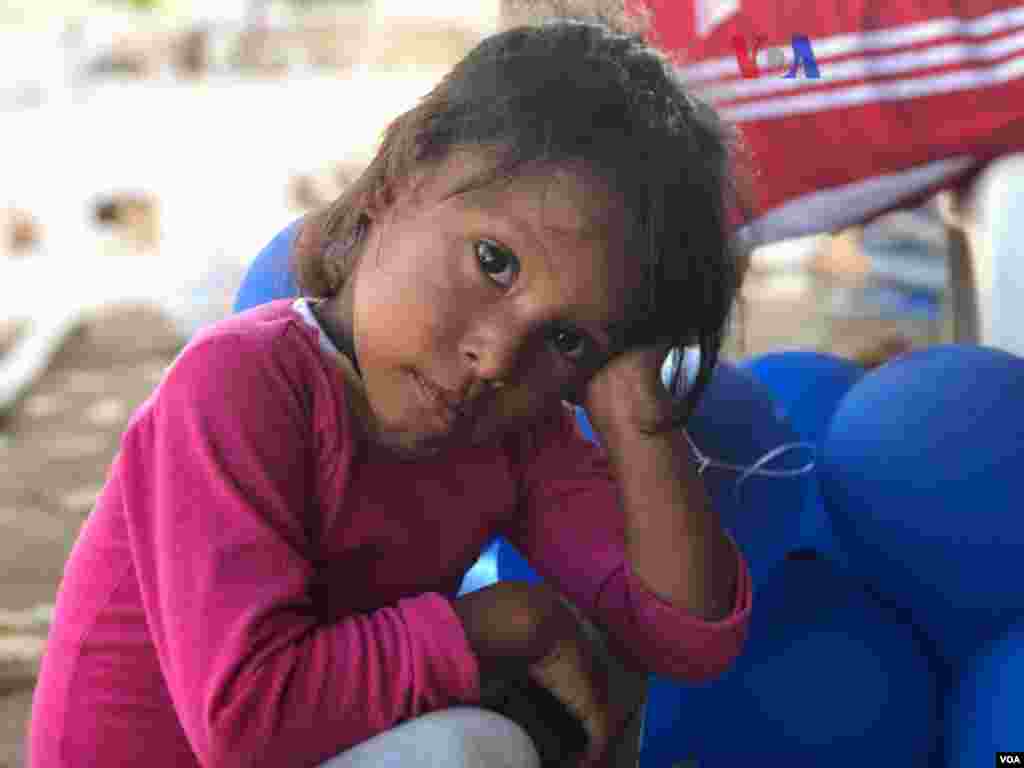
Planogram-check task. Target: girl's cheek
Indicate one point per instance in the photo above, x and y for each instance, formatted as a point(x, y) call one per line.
point(446, 280)
point(522, 411)
point(546, 390)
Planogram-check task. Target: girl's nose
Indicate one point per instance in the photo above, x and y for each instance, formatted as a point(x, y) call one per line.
point(493, 350)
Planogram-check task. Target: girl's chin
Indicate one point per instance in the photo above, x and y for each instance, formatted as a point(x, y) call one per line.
point(406, 450)
point(431, 446)
point(422, 446)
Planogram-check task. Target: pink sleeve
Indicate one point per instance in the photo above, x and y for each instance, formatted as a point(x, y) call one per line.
point(572, 531)
point(217, 491)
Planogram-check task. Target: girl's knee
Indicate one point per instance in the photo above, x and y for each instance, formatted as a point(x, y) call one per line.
point(458, 737)
point(479, 738)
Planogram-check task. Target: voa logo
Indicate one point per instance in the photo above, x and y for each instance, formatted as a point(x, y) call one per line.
point(750, 57)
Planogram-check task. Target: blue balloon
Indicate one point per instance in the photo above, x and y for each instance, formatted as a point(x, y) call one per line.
point(827, 677)
point(985, 710)
point(484, 571)
point(269, 276)
point(920, 474)
point(806, 386)
point(737, 423)
point(512, 566)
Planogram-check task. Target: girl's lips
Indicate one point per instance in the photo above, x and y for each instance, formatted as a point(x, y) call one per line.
point(432, 397)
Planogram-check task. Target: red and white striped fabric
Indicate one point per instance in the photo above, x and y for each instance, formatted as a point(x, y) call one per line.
point(913, 96)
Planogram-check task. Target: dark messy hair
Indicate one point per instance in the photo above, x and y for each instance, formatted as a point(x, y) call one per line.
point(569, 90)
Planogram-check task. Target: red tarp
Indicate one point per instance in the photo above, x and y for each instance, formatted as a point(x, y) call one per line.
point(913, 96)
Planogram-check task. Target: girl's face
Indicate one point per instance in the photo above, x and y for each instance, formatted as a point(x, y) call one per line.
point(477, 313)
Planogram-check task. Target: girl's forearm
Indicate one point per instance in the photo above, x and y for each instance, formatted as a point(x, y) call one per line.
point(674, 540)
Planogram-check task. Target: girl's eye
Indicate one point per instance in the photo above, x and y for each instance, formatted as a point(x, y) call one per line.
point(571, 344)
point(497, 263)
point(502, 267)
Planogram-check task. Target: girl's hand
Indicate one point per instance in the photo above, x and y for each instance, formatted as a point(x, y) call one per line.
point(627, 391)
point(510, 621)
point(518, 623)
point(574, 672)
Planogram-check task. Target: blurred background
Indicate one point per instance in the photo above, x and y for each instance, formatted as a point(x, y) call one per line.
point(151, 148)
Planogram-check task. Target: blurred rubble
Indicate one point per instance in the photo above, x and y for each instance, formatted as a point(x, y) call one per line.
point(318, 188)
point(409, 44)
point(11, 330)
point(868, 293)
point(23, 231)
point(133, 216)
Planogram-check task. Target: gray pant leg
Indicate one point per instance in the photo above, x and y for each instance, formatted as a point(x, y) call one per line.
point(458, 737)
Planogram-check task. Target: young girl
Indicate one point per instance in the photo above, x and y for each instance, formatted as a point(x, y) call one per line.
point(269, 575)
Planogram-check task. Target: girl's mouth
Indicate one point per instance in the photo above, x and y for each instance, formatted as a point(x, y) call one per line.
point(447, 416)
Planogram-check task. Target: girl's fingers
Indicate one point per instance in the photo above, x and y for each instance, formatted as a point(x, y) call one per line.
point(612, 729)
point(598, 729)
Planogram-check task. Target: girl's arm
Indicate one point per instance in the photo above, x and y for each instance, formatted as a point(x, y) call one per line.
point(622, 568)
point(673, 539)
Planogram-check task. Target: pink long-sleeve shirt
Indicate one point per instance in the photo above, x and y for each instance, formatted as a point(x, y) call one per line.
point(256, 587)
